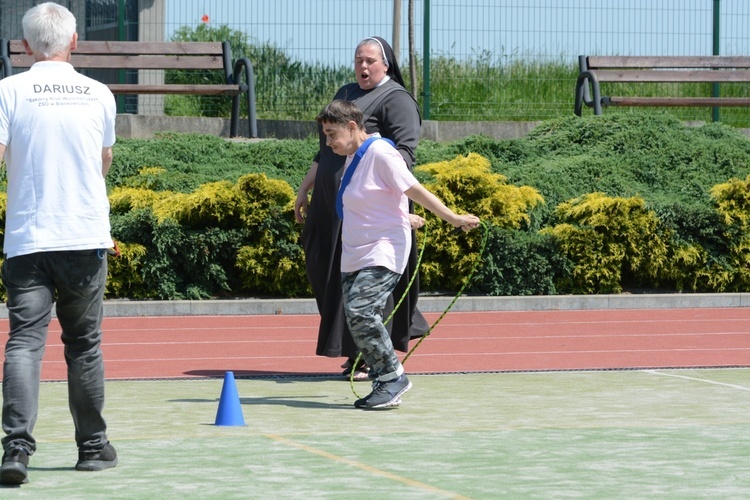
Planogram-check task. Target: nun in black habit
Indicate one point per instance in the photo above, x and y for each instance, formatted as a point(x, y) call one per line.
point(392, 111)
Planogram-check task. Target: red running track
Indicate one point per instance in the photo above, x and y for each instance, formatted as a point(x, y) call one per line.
point(201, 346)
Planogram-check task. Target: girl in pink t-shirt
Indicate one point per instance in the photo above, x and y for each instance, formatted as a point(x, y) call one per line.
point(375, 234)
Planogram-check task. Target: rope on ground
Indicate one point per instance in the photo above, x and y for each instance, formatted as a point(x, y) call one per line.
point(460, 292)
point(483, 246)
point(395, 308)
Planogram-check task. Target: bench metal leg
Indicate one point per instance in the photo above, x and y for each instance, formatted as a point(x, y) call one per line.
point(248, 88)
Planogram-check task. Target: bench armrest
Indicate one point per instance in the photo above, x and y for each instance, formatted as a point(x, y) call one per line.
point(586, 78)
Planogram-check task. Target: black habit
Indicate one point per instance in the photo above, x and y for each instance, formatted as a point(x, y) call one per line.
point(391, 111)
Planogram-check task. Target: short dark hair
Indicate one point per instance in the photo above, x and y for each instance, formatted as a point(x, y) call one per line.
point(342, 112)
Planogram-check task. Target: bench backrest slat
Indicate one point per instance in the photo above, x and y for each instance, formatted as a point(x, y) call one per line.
point(134, 55)
point(131, 62)
point(136, 48)
point(669, 62)
point(674, 76)
point(671, 76)
point(136, 88)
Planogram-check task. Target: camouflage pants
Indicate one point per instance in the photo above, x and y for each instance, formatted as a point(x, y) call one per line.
point(365, 294)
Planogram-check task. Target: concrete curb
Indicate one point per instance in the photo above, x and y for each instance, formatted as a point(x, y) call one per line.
point(246, 307)
point(241, 307)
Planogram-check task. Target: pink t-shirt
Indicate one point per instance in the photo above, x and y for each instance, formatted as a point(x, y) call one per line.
point(376, 229)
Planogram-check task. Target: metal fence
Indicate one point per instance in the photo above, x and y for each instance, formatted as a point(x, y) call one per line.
point(488, 59)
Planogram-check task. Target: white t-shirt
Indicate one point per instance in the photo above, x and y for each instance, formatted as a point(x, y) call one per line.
point(54, 123)
point(376, 229)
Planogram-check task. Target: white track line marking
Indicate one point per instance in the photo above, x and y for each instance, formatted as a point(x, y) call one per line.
point(585, 351)
point(733, 386)
point(432, 339)
point(441, 335)
point(469, 353)
point(424, 355)
point(503, 324)
point(563, 336)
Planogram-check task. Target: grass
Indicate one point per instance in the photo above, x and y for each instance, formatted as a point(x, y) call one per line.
point(480, 88)
point(590, 434)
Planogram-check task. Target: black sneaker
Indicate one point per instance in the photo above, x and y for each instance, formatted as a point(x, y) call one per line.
point(97, 460)
point(385, 394)
point(13, 470)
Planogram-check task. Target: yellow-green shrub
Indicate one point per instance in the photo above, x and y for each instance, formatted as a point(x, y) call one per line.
point(222, 238)
point(263, 198)
point(274, 262)
point(610, 240)
point(214, 204)
point(732, 200)
point(125, 280)
point(466, 184)
point(124, 199)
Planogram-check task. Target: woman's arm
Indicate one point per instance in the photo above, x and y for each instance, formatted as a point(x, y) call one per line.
point(300, 204)
point(419, 194)
point(106, 160)
point(401, 123)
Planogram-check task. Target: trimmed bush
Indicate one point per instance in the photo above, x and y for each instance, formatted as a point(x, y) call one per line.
point(274, 261)
point(611, 241)
point(125, 280)
point(580, 205)
point(520, 263)
point(223, 238)
point(466, 184)
point(732, 201)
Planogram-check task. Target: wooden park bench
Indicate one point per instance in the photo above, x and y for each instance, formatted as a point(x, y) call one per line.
point(671, 69)
point(237, 76)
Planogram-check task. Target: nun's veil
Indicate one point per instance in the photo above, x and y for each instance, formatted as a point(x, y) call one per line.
point(393, 69)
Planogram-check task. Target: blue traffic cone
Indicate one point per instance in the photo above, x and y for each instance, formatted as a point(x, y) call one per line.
point(230, 411)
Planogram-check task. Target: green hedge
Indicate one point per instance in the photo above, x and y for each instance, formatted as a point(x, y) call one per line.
point(581, 205)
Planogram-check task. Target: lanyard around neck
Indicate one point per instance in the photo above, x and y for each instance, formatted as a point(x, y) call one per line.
point(350, 171)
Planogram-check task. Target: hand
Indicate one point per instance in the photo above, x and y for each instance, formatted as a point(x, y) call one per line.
point(300, 207)
point(466, 222)
point(416, 221)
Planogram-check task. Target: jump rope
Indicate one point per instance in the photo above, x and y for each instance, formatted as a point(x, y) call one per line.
point(468, 279)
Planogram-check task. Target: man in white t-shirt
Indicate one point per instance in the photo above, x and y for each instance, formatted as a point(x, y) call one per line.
point(57, 129)
point(375, 240)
